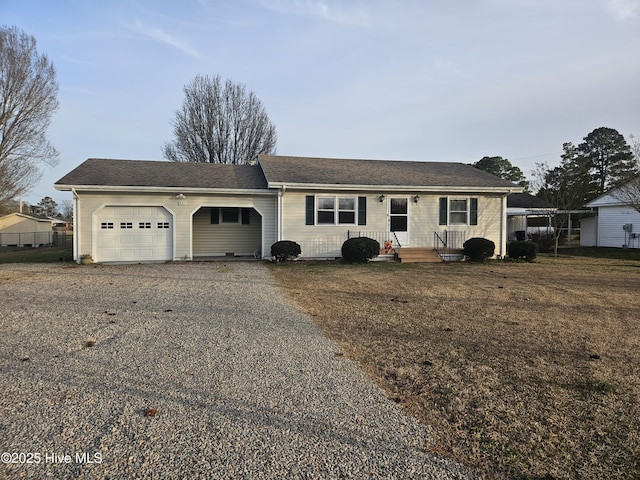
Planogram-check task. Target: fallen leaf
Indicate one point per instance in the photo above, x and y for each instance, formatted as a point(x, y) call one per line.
point(150, 412)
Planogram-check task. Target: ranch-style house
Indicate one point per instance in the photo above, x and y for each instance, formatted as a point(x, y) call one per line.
point(147, 211)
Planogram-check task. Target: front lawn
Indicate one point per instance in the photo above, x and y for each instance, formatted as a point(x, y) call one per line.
point(36, 255)
point(524, 370)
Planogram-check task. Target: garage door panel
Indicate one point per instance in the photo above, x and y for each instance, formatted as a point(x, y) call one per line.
point(126, 240)
point(134, 234)
point(147, 240)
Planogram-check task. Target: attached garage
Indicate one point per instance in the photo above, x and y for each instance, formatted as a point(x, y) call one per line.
point(133, 234)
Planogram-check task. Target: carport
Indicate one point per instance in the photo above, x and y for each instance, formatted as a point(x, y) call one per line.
point(226, 231)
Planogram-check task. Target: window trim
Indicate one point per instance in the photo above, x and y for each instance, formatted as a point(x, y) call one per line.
point(336, 210)
point(471, 212)
point(458, 212)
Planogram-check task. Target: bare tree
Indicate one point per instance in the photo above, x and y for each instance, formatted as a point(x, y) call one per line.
point(28, 99)
point(66, 209)
point(557, 187)
point(220, 123)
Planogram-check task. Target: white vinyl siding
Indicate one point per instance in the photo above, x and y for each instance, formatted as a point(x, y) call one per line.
point(325, 241)
point(610, 222)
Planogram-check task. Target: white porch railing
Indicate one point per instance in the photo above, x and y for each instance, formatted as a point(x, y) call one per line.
point(447, 241)
point(330, 246)
point(326, 246)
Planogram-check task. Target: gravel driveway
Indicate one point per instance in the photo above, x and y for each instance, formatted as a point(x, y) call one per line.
point(198, 370)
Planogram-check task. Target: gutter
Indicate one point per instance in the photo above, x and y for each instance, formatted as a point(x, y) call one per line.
point(171, 190)
point(395, 188)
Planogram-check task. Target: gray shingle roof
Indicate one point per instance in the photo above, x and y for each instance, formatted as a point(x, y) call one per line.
point(144, 173)
point(525, 200)
point(334, 171)
point(280, 170)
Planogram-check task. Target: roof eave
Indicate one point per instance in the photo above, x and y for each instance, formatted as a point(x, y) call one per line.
point(152, 189)
point(396, 188)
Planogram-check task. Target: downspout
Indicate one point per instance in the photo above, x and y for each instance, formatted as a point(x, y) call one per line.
point(503, 224)
point(76, 225)
point(280, 213)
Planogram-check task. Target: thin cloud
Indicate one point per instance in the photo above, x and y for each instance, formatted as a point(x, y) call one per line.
point(623, 9)
point(333, 12)
point(161, 36)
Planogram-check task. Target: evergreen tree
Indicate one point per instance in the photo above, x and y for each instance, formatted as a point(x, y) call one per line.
point(503, 168)
point(609, 158)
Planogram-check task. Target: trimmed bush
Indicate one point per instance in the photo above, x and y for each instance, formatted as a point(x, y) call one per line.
point(285, 250)
point(526, 250)
point(479, 249)
point(360, 249)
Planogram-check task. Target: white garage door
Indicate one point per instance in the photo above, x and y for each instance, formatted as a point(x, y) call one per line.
point(134, 234)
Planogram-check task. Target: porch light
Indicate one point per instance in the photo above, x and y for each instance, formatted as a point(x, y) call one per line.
point(381, 198)
point(416, 198)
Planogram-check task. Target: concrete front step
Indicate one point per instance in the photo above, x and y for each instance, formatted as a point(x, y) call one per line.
point(417, 255)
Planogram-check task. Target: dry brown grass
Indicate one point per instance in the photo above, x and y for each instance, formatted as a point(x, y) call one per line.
point(525, 370)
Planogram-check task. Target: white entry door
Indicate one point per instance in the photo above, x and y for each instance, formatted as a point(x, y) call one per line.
point(399, 221)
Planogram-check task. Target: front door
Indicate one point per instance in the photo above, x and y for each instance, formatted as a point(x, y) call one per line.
point(399, 221)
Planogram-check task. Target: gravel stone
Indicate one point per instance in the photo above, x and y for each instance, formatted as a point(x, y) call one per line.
point(198, 370)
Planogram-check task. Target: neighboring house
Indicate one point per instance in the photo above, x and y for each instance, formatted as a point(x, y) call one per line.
point(60, 224)
point(616, 224)
point(22, 230)
point(527, 215)
point(136, 211)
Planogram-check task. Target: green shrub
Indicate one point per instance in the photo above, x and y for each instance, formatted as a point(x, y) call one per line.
point(478, 249)
point(526, 250)
point(360, 249)
point(546, 242)
point(285, 250)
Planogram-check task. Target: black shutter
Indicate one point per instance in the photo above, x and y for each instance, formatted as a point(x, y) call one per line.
point(474, 212)
point(246, 216)
point(215, 215)
point(362, 210)
point(443, 210)
point(310, 210)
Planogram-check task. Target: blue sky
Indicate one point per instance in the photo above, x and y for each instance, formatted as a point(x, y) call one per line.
point(383, 79)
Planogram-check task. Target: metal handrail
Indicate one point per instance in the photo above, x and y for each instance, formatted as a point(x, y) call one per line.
point(396, 237)
point(438, 241)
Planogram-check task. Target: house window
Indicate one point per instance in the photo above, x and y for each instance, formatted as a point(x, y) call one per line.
point(229, 215)
point(458, 211)
point(326, 210)
point(144, 225)
point(126, 225)
point(106, 225)
point(328, 214)
point(347, 210)
point(335, 210)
